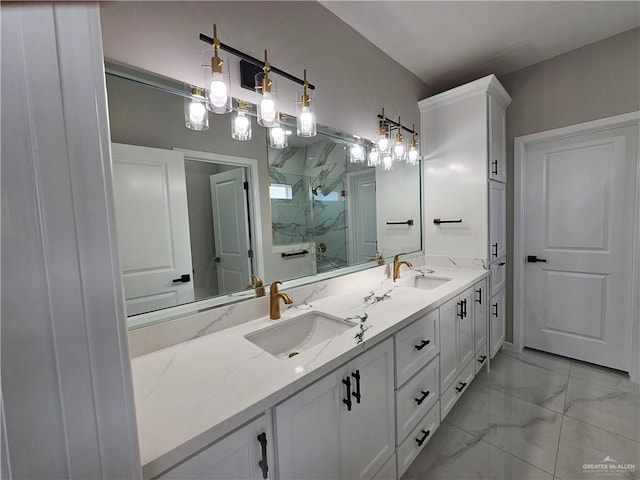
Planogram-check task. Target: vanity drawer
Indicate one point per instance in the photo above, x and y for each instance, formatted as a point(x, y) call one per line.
point(481, 358)
point(415, 345)
point(498, 276)
point(388, 470)
point(415, 399)
point(457, 388)
point(417, 439)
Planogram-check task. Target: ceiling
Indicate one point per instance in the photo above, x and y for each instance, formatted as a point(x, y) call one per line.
point(449, 43)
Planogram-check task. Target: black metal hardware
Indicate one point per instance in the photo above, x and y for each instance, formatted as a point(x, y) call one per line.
point(389, 122)
point(495, 313)
point(482, 359)
point(438, 221)
point(262, 438)
point(217, 259)
point(293, 254)
point(534, 259)
point(464, 308)
point(421, 440)
point(502, 264)
point(494, 167)
point(357, 394)
point(347, 401)
point(479, 299)
point(423, 397)
point(423, 344)
point(461, 387)
point(494, 247)
point(254, 61)
point(408, 222)
point(460, 314)
point(183, 279)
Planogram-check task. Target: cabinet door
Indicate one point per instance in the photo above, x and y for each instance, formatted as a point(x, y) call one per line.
point(497, 221)
point(465, 328)
point(370, 424)
point(498, 277)
point(497, 141)
point(448, 343)
point(497, 320)
point(480, 303)
point(310, 444)
point(238, 455)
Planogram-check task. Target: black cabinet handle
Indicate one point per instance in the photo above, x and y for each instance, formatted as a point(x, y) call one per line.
point(183, 279)
point(423, 397)
point(482, 359)
point(423, 344)
point(423, 439)
point(479, 299)
point(494, 247)
point(495, 311)
point(262, 438)
point(494, 167)
point(464, 308)
point(357, 394)
point(217, 259)
point(461, 387)
point(347, 401)
point(534, 259)
point(460, 314)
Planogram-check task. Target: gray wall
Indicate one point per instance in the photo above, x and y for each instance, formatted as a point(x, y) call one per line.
point(354, 79)
point(596, 81)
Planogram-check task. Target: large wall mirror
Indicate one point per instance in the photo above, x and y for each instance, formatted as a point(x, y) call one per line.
point(198, 214)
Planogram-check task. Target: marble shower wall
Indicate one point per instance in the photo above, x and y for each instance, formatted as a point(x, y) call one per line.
point(319, 217)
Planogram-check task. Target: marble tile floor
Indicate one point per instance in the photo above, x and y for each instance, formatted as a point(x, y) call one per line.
point(538, 416)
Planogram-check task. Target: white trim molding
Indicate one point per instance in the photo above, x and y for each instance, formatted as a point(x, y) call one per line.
point(519, 234)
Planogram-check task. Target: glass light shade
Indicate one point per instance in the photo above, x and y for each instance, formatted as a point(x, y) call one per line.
point(398, 151)
point(387, 162)
point(306, 124)
point(267, 108)
point(356, 153)
point(374, 157)
point(413, 155)
point(383, 143)
point(241, 126)
point(278, 137)
point(217, 86)
point(196, 116)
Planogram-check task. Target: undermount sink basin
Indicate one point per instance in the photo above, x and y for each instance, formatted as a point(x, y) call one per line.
point(427, 282)
point(287, 338)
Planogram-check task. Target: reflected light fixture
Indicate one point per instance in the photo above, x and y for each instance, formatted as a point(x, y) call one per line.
point(383, 139)
point(356, 154)
point(398, 148)
point(413, 155)
point(268, 106)
point(374, 157)
point(196, 116)
point(216, 81)
point(306, 124)
point(278, 137)
point(241, 123)
point(387, 161)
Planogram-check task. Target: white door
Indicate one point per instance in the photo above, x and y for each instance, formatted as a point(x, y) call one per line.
point(579, 226)
point(230, 230)
point(152, 226)
point(497, 140)
point(361, 216)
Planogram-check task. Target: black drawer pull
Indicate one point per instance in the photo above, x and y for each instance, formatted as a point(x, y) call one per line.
point(495, 310)
point(423, 344)
point(423, 397)
point(494, 167)
point(423, 439)
point(461, 387)
point(482, 359)
point(347, 401)
point(494, 247)
point(479, 299)
point(464, 308)
point(356, 394)
point(262, 438)
point(460, 314)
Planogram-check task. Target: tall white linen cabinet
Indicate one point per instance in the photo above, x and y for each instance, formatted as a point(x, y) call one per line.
point(464, 149)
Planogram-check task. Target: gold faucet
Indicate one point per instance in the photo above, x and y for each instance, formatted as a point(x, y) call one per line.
point(275, 297)
point(378, 258)
point(257, 285)
point(396, 266)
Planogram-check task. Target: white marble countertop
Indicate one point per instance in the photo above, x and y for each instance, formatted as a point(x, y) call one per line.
point(190, 394)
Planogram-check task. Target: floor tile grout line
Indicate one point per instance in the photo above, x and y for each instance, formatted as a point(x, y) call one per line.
point(601, 428)
point(526, 401)
point(513, 357)
point(604, 386)
point(555, 465)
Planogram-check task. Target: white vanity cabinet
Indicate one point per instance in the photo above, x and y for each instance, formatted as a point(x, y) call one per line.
point(342, 426)
point(246, 453)
point(464, 179)
point(481, 328)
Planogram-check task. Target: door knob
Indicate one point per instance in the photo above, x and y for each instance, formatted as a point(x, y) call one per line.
point(534, 259)
point(183, 279)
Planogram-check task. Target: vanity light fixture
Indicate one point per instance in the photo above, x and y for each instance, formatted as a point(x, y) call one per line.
point(306, 124)
point(398, 147)
point(374, 157)
point(356, 153)
point(387, 161)
point(196, 116)
point(413, 155)
point(278, 137)
point(268, 105)
point(383, 139)
point(241, 123)
point(216, 81)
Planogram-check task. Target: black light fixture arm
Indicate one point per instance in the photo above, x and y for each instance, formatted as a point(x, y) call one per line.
point(387, 121)
point(255, 61)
